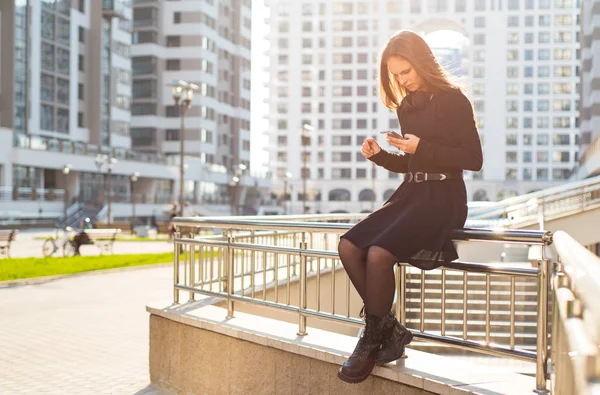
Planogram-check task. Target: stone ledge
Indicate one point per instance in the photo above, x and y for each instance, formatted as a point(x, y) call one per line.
point(429, 372)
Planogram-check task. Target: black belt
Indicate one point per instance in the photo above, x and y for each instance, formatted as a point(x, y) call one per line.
point(420, 176)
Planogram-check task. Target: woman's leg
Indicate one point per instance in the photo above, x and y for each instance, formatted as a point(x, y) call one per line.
point(354, 260)
point(380, 281)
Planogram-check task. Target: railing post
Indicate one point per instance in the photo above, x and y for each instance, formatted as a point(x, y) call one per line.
point(192, 268)
point(230, 274)
point(301, 316)
point(542, 327)
point(175, 266)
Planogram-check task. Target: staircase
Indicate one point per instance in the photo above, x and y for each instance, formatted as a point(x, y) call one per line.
point(76, 213)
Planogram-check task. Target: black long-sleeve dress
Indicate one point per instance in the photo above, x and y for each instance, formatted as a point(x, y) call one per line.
point(416, 222)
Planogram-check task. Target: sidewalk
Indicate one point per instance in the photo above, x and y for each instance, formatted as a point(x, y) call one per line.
point(81, 335)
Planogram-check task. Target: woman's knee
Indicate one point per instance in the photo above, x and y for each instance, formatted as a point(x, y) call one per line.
point(380, 256)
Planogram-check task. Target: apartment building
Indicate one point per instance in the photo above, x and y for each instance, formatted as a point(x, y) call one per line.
point(521, 70)
point(70, 89)
point(589, 164)
point(206, 42)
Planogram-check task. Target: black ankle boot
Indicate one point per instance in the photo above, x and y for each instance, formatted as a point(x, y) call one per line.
point(360, 364)
point(395, 338)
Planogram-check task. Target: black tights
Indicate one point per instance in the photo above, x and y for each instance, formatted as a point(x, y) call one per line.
point(371, 271)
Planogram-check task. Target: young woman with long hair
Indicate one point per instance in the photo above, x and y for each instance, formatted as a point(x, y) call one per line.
point(414, 225)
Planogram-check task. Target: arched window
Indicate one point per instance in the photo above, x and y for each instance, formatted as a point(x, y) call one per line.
point(388, 194)
point(480, 195)
point(506, 193)
point(339, 195)
point(366, 195)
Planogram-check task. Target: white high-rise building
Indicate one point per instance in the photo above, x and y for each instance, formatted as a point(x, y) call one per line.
point(521, 71)
point(590, 83)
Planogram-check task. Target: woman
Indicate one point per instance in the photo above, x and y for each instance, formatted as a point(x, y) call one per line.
point(414, 226)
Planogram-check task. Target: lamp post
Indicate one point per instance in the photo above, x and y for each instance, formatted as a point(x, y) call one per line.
point(66, 170)
point(183, 93)
point(132, 179)
point(101, 160)
point(306, 129)
point(287, 177)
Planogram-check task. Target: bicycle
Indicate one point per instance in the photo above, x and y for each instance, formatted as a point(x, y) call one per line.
point(53, 243)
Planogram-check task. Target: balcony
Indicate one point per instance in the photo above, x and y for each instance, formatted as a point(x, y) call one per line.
point(51, 144)
point(114, 8)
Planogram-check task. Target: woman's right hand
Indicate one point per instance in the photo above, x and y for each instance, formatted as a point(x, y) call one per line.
point(370, 147)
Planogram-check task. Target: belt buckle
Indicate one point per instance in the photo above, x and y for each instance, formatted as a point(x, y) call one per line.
point(417, 176)
point(408, 177)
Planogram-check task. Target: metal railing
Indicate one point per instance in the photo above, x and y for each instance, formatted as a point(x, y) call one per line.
point(258, 261)
point(541, 206)
point(31, 194)
point(575, 351)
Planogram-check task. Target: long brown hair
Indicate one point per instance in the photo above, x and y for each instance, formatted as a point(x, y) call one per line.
point(410, 46)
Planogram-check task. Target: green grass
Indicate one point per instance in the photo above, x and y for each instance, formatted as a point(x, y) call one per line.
point(126, 239)
point(20, 268)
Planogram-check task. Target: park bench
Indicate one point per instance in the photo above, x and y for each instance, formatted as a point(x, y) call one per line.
point(6, 238)
point(103, 238)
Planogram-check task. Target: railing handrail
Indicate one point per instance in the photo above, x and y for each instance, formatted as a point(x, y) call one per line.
point(523, 199)
point(467, 234)
point(583, 269)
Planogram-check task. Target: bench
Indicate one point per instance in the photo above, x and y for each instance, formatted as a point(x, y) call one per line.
point(6, 238)
point(103, 238)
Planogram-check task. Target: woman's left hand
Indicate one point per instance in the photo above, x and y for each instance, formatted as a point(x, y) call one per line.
point(408, 144)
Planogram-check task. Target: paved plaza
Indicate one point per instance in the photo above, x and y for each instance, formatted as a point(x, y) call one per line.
point(80, 335)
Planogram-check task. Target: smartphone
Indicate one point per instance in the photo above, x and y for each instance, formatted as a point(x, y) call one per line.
point(392, 133)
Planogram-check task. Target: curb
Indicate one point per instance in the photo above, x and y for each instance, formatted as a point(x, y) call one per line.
point(47, 279)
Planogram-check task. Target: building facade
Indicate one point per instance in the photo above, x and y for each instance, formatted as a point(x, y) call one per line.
point(589, 164)
point(520, 69)
point(70, 90)
point(205, 42)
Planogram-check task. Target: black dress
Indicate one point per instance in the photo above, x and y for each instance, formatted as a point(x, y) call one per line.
point(416, 222)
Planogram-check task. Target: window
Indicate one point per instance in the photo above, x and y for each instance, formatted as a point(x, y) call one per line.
point(542, 174)
point(527, 158)
point(80, 119)
point(81, 34)
point(176, 17)
point(561, 139)
point(81, 63)
point(542, 139)
point(479, 39)
point(512, 21)
point(512, 123)
point(511, 139)
point(173, 41)
point(511, 174)
point(528, 38)
point(544, 54)
point(80, 92)
point(479, 21)
point(561, 157)
point(173, 64)
point(511, 157)
point(527, 139)
point(542, 156)
point(527, 174)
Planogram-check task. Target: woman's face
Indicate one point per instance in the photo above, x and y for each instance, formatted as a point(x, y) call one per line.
point(404, 73)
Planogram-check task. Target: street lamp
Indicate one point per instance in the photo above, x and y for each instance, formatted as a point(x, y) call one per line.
point(288, 176)
point(183, 93)
point(306, 129)
point(132, 179)
point(101, 160)
point(66, 170)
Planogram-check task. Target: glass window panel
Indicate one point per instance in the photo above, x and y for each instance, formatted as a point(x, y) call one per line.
point(47, 88)
point(47, 56)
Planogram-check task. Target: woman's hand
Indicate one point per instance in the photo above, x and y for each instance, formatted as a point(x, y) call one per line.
point(408, 144)
point(370, 147)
